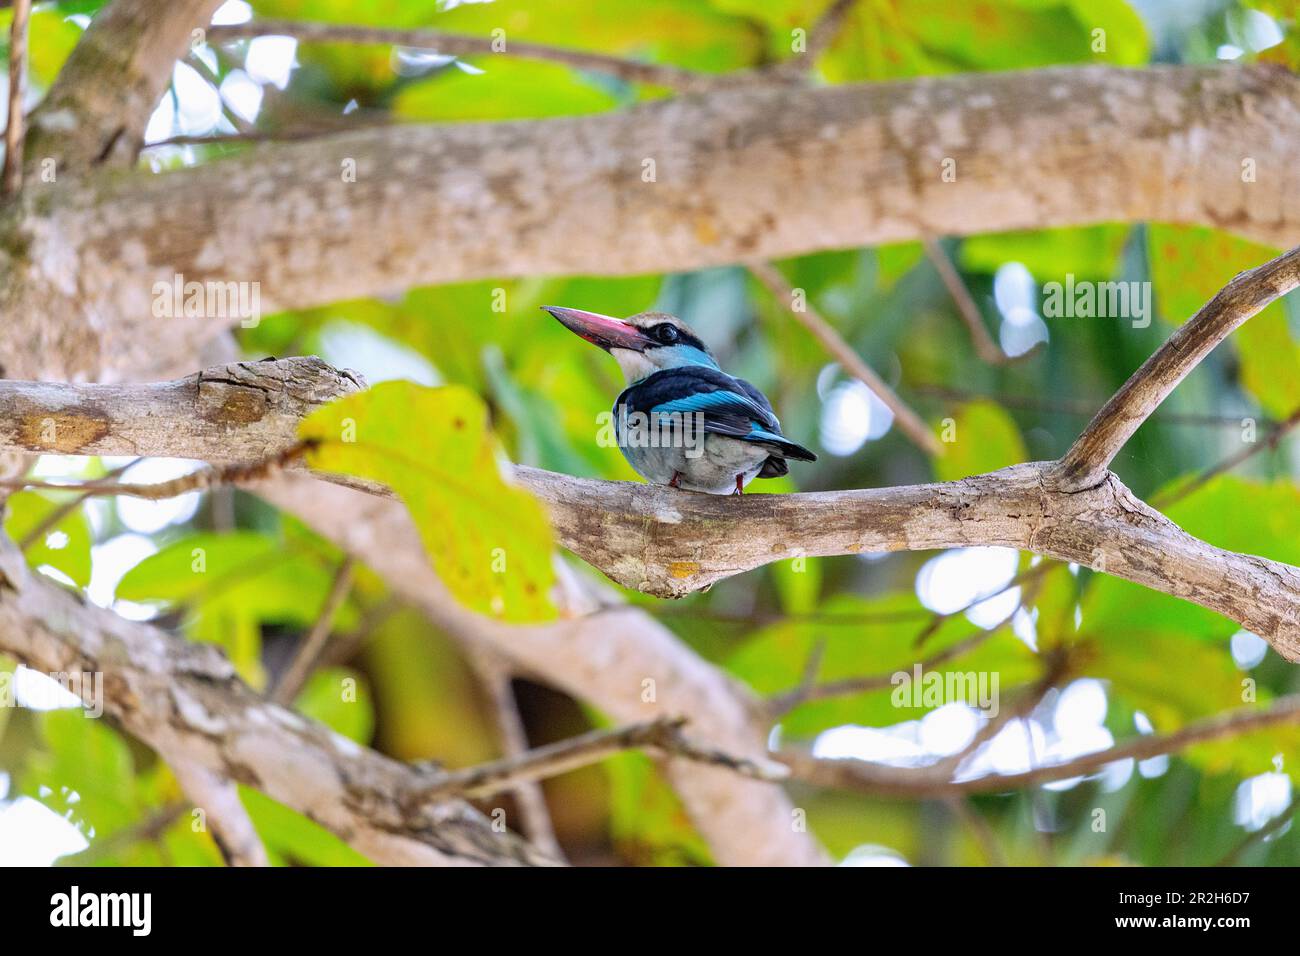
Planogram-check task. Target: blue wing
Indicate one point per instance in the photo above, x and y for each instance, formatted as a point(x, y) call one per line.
point(728, 406)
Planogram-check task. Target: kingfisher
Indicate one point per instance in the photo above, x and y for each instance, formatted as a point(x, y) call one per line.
point(682, 421)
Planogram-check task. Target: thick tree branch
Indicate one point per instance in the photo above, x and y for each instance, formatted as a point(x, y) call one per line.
point(96, 111)
point(738, 176)
point(180, 697)
point(670, 544)
point(249, 411)
point(1086, 462)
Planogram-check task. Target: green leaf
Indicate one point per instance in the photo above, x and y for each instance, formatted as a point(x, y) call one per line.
point(65, 547)
point(984, 439)
point(234, 582)
point(680, 32)
point(290, 838)
point(489, 541)
point(647, 821)
point(341, 700)
point(506, 89)
point(84, 773)
point(1049, 254)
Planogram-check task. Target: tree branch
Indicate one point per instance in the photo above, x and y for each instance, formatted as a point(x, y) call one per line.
point(883, 780)
point(967, 308)
point(184, 698)
point(218, 797)
point(618, 659)
point(662, 734)
point(739, 176)
point(496, 677)
point(1086, 462)
point(309, 652)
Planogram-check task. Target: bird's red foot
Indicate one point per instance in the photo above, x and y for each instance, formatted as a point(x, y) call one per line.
point(740, 484)
point(677, 480)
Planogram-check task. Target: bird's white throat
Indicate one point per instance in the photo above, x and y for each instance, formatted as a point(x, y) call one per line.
point(635, 365)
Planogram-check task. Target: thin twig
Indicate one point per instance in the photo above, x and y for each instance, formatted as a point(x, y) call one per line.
point(450, 44)
point(309, 651)
point(967, 308)
point(825, 30)
point(874, 778)
point(197, 62)
point(908, 421)
point(195, 481)
point(979, 829)
point(781, 704)
point(51, 520)
point(1232, 461)
point(662, 734)
point(11, 179)
point(1057, 668)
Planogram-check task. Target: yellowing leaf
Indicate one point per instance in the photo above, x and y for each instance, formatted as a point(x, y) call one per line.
point(489, 541)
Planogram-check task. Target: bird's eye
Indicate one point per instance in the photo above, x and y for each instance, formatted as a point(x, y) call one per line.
point(667, 334)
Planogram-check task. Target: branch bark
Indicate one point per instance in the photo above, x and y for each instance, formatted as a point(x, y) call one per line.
point(740, 175)
point(184, 698)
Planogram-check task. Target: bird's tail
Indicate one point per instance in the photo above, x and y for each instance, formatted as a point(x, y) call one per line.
point(783, 446)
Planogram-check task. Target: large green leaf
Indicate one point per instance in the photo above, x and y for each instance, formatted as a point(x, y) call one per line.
point(489, 540)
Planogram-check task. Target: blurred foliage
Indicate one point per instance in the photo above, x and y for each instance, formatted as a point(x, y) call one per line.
point(497, 378)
